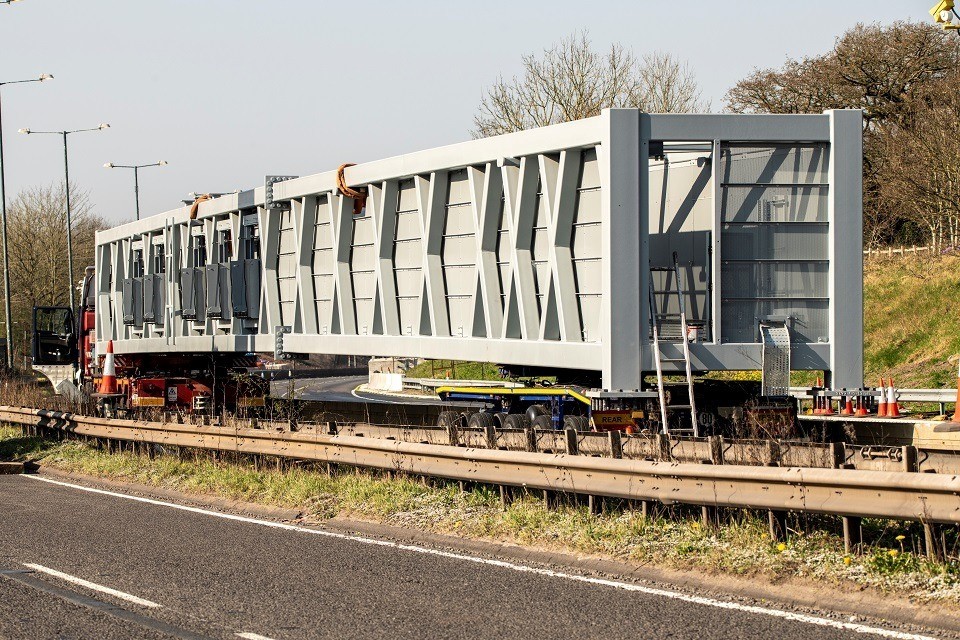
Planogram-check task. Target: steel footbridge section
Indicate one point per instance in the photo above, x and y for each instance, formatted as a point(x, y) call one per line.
point(530, 248)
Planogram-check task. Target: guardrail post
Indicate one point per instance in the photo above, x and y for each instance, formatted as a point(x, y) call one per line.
point(778, 524)
point(663, 447)
point(506, 495)
point(932, 533)
point(909, 457)
point(572, 442)
point(453, 435)
point(531, 434)
point(838, 454)
point(716, 449)
point(710, 516)
point(616, 444)
point(773, 453)
point(491, 435)
point(852, 532)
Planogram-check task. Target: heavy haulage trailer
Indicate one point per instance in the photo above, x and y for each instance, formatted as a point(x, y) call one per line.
point(612, 251)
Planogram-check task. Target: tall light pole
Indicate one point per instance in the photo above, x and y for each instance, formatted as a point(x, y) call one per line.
point(136, 176)
point(3, 227)
point(66, 173)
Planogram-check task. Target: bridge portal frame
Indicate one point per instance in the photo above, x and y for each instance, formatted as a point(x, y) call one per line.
point(533, 315)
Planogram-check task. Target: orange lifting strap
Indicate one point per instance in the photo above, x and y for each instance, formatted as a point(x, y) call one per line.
point(195, 207)
point(359, 195)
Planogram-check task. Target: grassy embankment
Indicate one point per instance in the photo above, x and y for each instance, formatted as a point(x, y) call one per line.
point(890, 563)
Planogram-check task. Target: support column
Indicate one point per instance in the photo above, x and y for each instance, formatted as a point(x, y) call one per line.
point(624, 215)
point(845, 215)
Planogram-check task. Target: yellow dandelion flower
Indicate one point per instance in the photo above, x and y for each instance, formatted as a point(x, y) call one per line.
point(781, 547)
point(901, 537)
point(848, 561)
point(893, 553)
point(695, 525)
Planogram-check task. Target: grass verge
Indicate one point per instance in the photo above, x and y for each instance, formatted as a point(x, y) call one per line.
point(741, 546)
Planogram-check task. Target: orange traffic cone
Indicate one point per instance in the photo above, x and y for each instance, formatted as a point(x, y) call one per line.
point(108, 382)
point(893, 409)
point(862, 407)
point(847, 406)
point(882, 405)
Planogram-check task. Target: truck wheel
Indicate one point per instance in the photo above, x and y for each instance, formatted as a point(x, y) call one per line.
point(535, 410)
point(516, 421)
point(481, 421)
point(449, 419)
point(577, 423)
point(501, 418)
point(543, 422)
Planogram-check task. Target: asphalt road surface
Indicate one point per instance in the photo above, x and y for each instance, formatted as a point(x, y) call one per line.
point(338, 389)
point(181, 572)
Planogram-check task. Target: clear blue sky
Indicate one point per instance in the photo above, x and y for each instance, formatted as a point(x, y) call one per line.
point(228, 91)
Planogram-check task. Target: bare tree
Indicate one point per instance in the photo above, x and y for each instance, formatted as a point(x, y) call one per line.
point(571, 81)
point(37, 228)
point(880, 69)
point(921, 174)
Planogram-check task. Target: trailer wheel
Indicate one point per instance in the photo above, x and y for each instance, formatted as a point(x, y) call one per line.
point(543, 422)
point(501, 418)
point(577, 423)
point(516, 421)
point(450, 419)
point(535, 410)
point(481, 421)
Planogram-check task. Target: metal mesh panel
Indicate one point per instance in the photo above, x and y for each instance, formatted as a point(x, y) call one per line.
point(776, 360)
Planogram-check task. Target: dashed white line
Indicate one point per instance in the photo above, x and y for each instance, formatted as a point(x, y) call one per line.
point(92, 585)
point(624, 586)
point(252, 636)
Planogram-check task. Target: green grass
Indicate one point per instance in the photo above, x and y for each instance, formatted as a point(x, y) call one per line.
point(912, 321)
point(740, 546)
point(455, 370)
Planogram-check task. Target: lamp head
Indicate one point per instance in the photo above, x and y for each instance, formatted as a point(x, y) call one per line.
point(23, 130)
point(109, 165)
point(162, 163)
point(103, 125)
point(45, 76)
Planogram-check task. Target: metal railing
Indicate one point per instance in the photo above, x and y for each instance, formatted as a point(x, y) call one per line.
point(929, 498)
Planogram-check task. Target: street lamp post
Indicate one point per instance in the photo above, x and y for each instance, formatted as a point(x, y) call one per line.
point(66, 172)
point(3, 227)
point(136, 176)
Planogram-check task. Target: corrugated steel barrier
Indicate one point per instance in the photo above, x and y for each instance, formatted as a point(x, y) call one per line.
point(910, 496)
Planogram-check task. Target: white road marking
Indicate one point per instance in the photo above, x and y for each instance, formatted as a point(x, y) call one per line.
point(624, 586)
point(366, 399)
point(252, 636)
point(92, 585)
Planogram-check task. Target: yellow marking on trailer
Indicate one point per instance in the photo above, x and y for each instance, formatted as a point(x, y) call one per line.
point(518, 391)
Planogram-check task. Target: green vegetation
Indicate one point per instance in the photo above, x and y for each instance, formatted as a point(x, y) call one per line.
point(741, 546)
point(455, 370)
point(911, 320)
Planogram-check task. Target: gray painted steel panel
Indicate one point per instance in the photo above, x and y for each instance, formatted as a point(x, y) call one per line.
point(529, 248)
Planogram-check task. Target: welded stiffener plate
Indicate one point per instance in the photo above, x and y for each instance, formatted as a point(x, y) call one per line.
point(775, 359)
